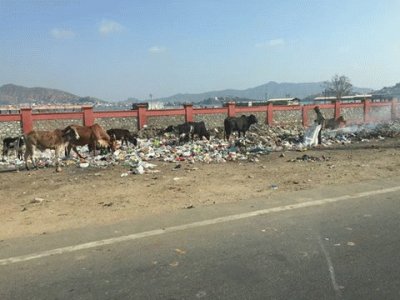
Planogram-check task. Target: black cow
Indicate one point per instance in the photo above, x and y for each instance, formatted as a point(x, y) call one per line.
point(240, 124)
point(123, 135)
point(189, 129)
point(15, 143)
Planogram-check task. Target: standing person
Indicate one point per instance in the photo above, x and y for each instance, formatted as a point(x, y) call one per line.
point(320, 121)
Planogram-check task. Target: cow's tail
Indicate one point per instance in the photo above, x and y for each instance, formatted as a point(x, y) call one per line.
point(226, 125)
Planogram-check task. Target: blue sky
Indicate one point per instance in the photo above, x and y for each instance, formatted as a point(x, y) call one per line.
point(119, 49)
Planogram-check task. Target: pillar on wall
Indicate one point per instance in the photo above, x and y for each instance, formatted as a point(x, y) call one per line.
point(26, 119)
point(231, 109)
point(337, 109)
point(305, 110)
point(270, 114)
point(142, 117)
point(394, 108)
point(188, 112)
point(367, 107)
point(88, 115)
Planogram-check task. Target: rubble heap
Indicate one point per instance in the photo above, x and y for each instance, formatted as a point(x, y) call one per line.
point(260, 140)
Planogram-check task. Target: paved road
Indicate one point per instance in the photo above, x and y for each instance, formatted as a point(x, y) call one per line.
point(332, 243)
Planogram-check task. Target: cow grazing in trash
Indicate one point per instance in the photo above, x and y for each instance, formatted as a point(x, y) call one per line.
point(55, 140)
point(92, 136)
point(13, 143)
point(188, 130)
point(240, 124)
point(123, 135)
point(335, 123)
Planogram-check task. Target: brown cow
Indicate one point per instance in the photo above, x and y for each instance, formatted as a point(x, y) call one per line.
point(91, 136)
point(335, 123)
point(56, 140)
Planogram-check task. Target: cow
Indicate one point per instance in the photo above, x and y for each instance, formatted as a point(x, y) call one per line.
point(239, 124)
point(55, 140)
point(335, 123)
point(15, 143)
point(123, 135)
point(189, 129)
point(91, 136)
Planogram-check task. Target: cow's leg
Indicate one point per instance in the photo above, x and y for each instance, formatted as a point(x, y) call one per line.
point(77, 153)
point(30, 152)
point(26, 155)
point(57, 151)
point(228, 135)
point(56, 155)
point(94, 148)
point(67, 150)
point(5, 149)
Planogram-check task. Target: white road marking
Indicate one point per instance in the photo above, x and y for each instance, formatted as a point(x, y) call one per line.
point(136, 236)
point(336, 287)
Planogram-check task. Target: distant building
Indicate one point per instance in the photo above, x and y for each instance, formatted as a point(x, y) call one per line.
point(284, 101)
point(156, 105)
point(344, 99)
point(149, 105)
point(353, 98)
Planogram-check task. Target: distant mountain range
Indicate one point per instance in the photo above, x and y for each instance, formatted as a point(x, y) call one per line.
point(15, 95)
point(393, 91)
point(266, 91)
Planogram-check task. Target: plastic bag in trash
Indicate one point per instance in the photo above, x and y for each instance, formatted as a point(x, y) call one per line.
point(311, 135)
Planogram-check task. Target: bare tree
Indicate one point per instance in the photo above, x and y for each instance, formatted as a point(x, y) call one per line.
point(338, 86)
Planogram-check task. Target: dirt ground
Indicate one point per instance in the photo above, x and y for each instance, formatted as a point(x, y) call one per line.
point(43, 201)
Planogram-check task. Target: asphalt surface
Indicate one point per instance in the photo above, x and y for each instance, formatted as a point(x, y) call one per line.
point(347, 249)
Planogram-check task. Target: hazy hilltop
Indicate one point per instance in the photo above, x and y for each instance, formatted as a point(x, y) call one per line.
point(12, 94)
point(269, 90)
point(393, 91)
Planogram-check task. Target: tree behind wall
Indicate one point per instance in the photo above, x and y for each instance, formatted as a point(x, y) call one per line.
point(338, 86)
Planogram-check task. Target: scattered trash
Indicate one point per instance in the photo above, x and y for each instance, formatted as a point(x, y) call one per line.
point(36, 200)
point(310, 158)
point(262, 139)
point(274, 187)
point(139, 170)
point(179, 251)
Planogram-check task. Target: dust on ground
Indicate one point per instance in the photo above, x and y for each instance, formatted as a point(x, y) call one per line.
point(43, 201)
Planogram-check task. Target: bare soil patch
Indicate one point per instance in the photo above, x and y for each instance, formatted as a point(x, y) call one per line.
point(44, 201)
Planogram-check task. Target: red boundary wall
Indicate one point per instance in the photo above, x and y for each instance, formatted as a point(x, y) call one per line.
point(88, 115)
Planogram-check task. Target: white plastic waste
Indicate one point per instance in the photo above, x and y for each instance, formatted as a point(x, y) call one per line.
point(311, 135)
point(139, 170)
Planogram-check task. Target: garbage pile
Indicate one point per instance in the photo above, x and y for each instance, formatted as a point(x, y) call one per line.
point(260, 140)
